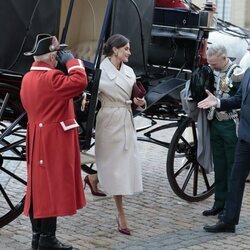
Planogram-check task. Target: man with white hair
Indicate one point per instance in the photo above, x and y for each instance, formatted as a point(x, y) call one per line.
point(222, 125)
point(54, 184)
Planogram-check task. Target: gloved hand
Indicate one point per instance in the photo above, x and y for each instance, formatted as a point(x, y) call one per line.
point(64, 56)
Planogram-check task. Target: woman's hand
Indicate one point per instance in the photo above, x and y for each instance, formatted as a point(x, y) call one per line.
point(140, 102)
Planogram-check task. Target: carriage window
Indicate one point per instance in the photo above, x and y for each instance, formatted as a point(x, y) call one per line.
point(84, 28)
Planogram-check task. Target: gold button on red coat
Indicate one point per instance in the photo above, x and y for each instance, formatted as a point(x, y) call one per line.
point(41, 162)
point(40, 125)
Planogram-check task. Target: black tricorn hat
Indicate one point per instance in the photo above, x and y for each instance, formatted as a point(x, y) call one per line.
point(44, 44)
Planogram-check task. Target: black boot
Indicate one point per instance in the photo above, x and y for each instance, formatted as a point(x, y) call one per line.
point(50, 242)
point(213, 211)
point(220, 227)
point(35, 240)
point(36, 231)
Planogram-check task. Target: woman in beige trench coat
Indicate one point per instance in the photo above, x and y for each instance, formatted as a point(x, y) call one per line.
point(119, 170)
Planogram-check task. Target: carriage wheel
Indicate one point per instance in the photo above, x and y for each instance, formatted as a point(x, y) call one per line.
point(186, 176)
point(12, 154)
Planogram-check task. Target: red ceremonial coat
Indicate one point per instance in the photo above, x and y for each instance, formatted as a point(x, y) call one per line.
point(54, 183)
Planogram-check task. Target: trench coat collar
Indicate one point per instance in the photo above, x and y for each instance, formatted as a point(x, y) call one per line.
point(123, 77)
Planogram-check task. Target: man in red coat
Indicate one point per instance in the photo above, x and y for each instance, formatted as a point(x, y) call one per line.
point(54, 183)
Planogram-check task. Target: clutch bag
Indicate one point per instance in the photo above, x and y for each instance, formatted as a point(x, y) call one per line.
point(137, 91)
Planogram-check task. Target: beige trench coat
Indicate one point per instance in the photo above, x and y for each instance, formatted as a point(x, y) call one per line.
point(117, 158)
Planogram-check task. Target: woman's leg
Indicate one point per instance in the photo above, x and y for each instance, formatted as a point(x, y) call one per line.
point(92, 182)
point(93, 179)
point(120, 211)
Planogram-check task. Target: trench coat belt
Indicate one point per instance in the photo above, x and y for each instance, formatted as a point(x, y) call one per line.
point(126, 105)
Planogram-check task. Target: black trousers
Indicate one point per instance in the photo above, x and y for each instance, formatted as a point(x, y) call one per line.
point(223, 142)
point(239, 174)
point(46, 226)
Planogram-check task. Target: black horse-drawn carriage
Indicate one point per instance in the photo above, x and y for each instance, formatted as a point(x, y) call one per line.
point(166, 47)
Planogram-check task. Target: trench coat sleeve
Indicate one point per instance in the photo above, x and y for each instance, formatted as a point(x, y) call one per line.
point(67, 86)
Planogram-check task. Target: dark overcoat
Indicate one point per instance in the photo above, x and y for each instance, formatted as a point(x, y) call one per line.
point(241, 100)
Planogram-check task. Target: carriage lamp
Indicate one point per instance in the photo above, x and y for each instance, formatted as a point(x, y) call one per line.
point(208, 17)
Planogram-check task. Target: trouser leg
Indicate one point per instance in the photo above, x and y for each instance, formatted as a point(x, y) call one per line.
point(48, 226)
point(36, 229)
point(220, 178)
point(219, 167)
point(223, 141)
point(237, 183)
point(35, 223)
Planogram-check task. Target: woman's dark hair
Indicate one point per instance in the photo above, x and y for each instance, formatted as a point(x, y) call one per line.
point(117, 41)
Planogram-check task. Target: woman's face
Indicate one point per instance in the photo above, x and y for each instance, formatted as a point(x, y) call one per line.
point(123, 53)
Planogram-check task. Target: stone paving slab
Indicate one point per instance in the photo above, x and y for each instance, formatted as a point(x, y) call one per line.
point(157, 217)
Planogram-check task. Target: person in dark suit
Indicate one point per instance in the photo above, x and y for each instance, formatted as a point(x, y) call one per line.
point(231, 213)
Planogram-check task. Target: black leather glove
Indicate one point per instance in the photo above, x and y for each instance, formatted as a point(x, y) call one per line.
point(64, 56)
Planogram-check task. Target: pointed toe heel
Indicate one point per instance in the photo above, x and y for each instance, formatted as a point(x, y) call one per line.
point(123, 230)
point(93, 192)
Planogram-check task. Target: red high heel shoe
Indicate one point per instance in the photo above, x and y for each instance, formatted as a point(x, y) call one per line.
point(123, 230)
point(96, 193)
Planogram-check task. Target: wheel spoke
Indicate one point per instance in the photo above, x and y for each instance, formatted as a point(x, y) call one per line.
point(13, 175)
point(187, 179)
point(180, 170)
point(12, 146)
point(194, 133)
point(6, 198)
point(195, 180)
point(208, 186)
point(4, 104)
point(185, 141)
point(8, 131)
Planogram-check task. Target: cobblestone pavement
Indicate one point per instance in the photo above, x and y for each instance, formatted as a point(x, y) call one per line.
point(157, 217)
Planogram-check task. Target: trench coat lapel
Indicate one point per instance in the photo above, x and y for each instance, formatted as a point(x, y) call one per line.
point(123, 78)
